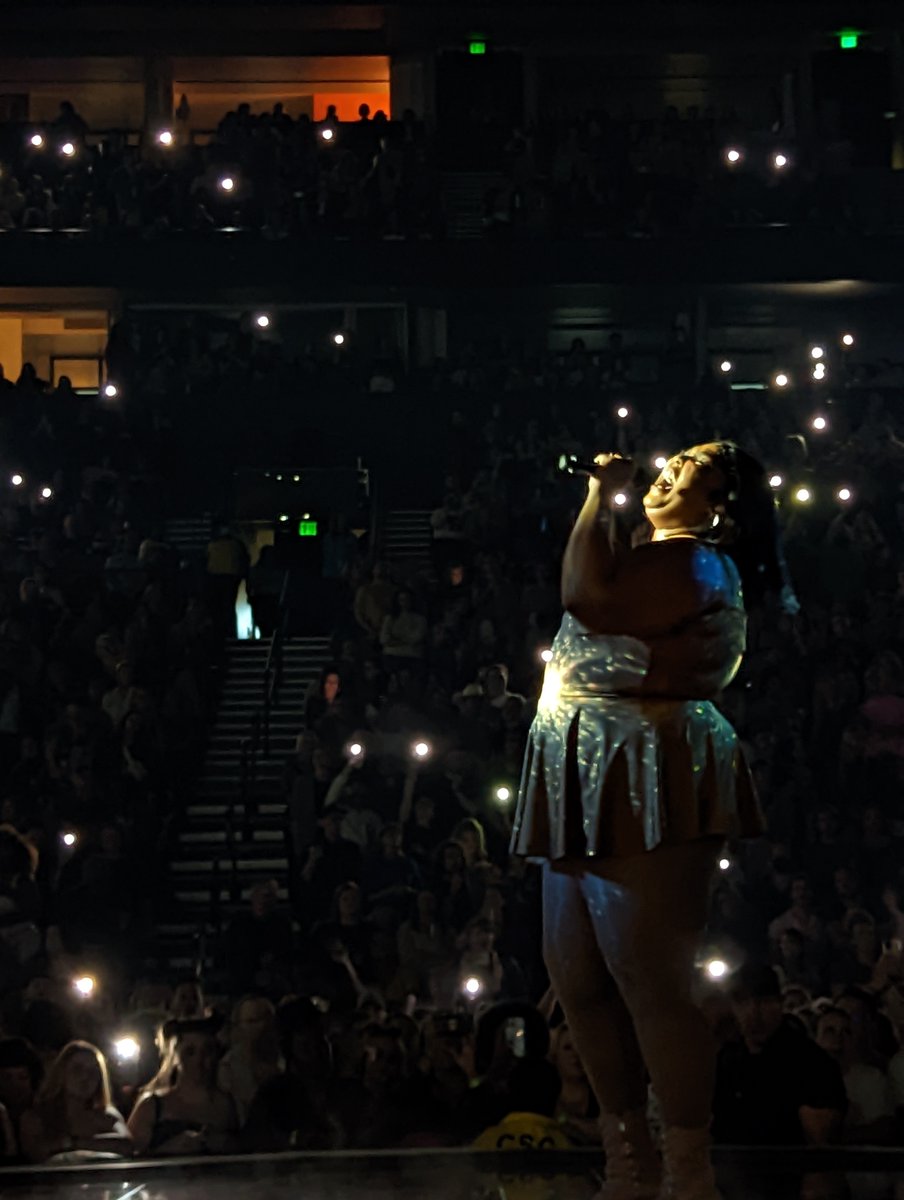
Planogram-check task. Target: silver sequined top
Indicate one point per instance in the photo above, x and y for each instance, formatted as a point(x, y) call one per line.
point(627, 749)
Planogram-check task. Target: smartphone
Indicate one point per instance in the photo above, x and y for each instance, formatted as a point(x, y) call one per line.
point(514, 1036)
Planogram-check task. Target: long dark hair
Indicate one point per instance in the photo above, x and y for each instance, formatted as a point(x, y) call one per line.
point(749, 530)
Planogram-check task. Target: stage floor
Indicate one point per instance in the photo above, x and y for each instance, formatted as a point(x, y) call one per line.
point(761, 1174)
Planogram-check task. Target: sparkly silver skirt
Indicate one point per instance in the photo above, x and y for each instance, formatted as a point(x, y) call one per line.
point(615, 775)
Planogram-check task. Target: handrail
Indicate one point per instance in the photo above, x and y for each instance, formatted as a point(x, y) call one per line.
point(274, 665)
point(258, 737)
point(378, 518)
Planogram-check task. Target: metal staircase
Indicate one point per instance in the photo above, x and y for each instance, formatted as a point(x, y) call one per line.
point(407, 538)
point(234, 832)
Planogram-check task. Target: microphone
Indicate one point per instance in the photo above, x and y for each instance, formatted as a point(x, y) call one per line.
point(570, 464)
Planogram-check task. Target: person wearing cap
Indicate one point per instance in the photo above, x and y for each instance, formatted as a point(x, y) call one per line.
point(295, 1110)
point(632, 782)
point(774, 1085)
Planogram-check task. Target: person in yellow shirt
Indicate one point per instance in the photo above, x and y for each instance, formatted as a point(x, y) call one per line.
point(533, 1090)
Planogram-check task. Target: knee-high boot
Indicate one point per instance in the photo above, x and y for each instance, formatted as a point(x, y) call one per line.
point(633, 1167)
point(688, 1172)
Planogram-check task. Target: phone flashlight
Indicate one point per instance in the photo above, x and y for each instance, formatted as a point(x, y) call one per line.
point(472, 986)
point(127, 1049)
point(85, 985)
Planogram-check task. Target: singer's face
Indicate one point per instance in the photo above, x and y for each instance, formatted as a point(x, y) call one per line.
point(682, 496)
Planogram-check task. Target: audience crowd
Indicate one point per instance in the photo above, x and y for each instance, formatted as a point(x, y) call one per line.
point(595, 174)
point(608, 176)
point(259, 172)
point(391, 992)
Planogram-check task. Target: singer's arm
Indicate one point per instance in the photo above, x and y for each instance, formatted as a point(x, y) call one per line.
point(588, 565)
point(647, 592)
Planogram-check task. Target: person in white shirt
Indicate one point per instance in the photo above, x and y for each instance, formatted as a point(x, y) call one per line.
point(871, 1105)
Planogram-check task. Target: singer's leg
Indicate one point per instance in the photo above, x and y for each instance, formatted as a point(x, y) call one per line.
point(649, 912)
point(594, 1009)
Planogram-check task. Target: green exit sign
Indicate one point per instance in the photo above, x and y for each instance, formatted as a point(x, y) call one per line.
point(848, 39)
point(477, 47)
point(307, 528)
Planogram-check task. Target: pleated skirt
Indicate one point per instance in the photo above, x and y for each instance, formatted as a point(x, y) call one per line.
point(616, 776)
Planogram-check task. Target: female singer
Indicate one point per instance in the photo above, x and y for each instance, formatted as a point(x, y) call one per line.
point(633, 780)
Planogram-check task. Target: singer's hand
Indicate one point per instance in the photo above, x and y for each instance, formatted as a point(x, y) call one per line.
point(613, 472)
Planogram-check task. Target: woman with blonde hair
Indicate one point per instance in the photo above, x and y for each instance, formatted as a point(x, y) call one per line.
point(253, 1056)
point(74, 1109)
point(182, 1111)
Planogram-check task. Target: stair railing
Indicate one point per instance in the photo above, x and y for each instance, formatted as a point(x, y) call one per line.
point(273, 669)
point(258, 738)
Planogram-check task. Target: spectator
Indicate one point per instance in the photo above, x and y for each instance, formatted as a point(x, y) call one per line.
point(68, 123)
point(498, 977)
point(253, 1056)
point(373, 601)
point(421, 944)
point(74, 1109)
point(295, 1109)
point(390, 875)
point(795, 963)
point(182, 1112)
point(380, 1106)
point(332, 861)
point(187, 1000)
point(321, 704)
point(531, 1121)
point(870, 1117)
point(227, 566)
point(19, 902)
point(258, 943)
point(21, 1073)
point(507, 1036)
point(577, 1110)
point(403, 634)
point(265, 583)
point(774, 1087)
point(800, 915)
